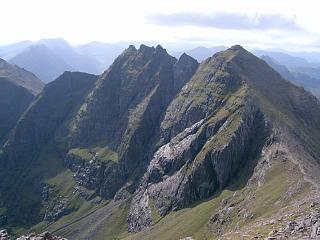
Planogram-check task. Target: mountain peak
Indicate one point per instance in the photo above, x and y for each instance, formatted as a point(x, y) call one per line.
point(132, 48)
point(53, 43)
point(238, 48)
point(149, 50)
point(236, 51)
point(186, 58)
point(160, 48)
point(146, 49)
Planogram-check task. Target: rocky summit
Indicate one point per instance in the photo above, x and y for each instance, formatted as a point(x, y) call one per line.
point(164, 148)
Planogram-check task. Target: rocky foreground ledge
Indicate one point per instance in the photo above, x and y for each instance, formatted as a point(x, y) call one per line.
point(32, 236)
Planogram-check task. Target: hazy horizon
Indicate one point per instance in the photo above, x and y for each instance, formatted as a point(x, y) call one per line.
point(171, 46)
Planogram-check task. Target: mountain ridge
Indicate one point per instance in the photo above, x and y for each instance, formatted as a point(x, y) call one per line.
point(311, 83)
point(21, 77)
point(163, 148)
point(18, 88)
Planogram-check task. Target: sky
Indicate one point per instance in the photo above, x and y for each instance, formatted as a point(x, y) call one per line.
point(286, 24)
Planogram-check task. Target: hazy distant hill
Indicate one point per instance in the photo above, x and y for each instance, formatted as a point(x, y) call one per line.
point(9, 51)
point(293, 67)
point(283, 58)
point(283, 70)
point(49, 58)
point(103, 53)
point(79, 62)
point(42, 61)
point(299, 76)
point(201, 53)
point(312, 57)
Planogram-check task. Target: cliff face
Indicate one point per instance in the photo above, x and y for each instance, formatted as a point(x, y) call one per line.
point(155, 135)
point(123, 112)
point(210, 129)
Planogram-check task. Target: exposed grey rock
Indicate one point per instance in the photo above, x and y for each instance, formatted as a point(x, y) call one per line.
point(88, 173)
point(292, 225)
point(169, 182)
point(140, 213)
point(42, 236)
point(57, 209)
point(315, 232)
point(4, 235)
point(305, 226)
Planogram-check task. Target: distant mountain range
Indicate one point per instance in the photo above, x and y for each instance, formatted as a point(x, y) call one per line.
point(49, 58)
point(42, 61)
point(301, 77)
point(201, 53)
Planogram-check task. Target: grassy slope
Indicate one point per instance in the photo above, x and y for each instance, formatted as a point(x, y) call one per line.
point(102, 222)
point(103, 153)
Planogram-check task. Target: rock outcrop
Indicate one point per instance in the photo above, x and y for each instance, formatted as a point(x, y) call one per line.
point(42, 236)
point(4, 235)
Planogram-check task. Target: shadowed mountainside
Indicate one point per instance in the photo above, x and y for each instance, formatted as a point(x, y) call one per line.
point(18, 88)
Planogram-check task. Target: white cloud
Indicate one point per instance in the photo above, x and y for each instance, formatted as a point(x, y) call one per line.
point(224, 20)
